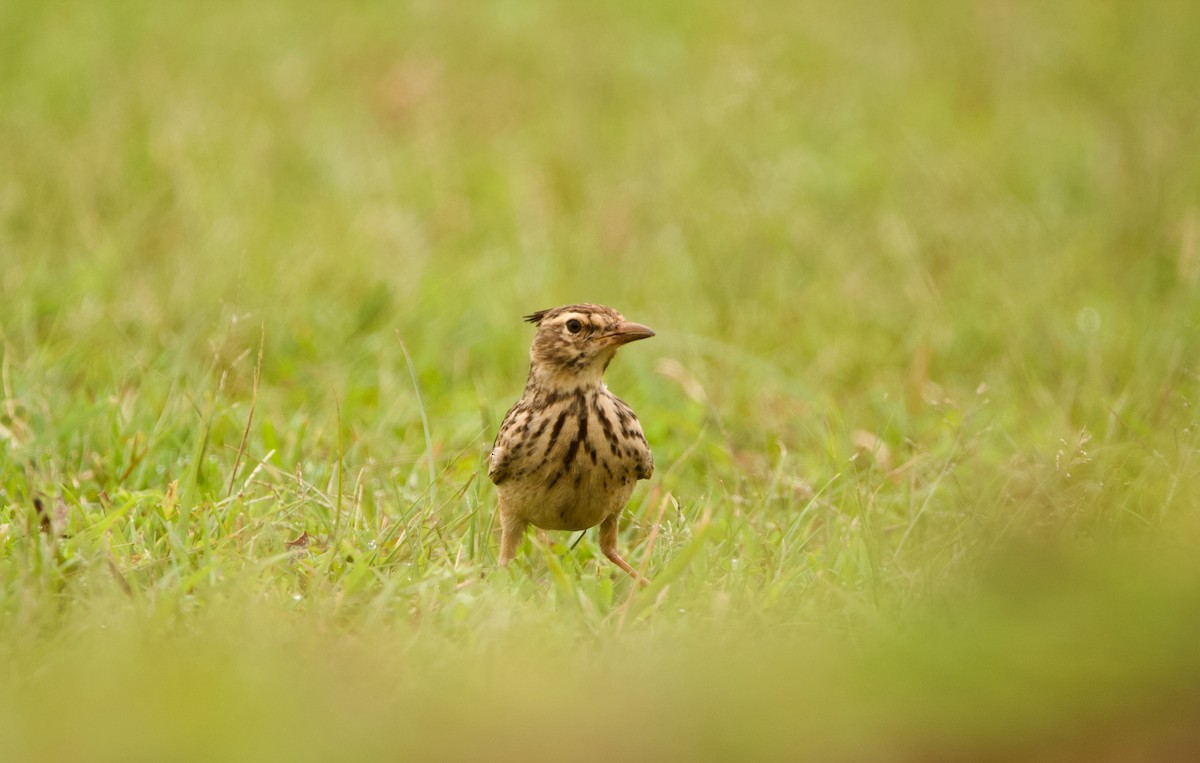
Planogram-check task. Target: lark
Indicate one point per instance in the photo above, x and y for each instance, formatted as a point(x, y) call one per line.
point(570, 452)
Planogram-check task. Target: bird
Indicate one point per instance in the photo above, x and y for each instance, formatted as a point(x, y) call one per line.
point(569, 452)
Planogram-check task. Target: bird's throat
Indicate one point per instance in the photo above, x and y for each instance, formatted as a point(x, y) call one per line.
point(554, 379)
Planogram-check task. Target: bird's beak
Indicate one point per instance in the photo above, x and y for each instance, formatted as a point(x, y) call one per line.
point(627, 332)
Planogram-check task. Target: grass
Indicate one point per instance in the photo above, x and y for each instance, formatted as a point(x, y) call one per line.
point(922, 399)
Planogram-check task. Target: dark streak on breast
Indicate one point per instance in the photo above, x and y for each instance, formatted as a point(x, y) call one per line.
point(624, 415)
point(580, 436)
point(558, 425)
point(610, 434)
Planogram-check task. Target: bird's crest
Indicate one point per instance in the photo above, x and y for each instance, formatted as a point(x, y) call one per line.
point(585, 308)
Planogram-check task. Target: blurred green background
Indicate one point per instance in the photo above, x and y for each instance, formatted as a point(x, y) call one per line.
point(925, 281)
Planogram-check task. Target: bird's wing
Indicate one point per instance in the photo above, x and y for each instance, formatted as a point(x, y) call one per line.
point(497, 465)
point(631, 432)
point(645, 466)
point(500, 460)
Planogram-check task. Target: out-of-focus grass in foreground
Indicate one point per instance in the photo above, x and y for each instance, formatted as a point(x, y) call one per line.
point(925, 281)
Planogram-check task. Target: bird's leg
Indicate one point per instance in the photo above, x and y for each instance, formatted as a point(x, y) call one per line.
point(608, 544)
point(512, 530)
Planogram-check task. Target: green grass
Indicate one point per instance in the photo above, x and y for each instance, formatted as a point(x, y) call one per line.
point(926, 282)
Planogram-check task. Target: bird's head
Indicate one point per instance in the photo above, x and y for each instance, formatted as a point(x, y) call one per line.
point(575, 343)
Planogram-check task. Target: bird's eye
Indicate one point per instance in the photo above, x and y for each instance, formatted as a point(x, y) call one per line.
point(574, 326)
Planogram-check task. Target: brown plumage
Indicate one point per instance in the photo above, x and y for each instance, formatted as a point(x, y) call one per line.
point(569, 453)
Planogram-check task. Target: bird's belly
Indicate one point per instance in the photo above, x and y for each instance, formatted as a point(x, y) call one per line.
point(576, 502)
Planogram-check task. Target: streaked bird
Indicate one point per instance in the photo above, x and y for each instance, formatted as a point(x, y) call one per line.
point(569, 453)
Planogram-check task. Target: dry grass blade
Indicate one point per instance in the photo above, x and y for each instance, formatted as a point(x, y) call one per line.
point(241, 451)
